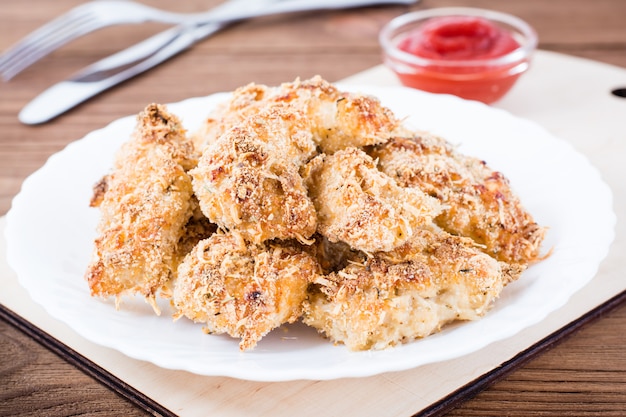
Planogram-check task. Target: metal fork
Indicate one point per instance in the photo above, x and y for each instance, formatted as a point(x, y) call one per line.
point(80, 21)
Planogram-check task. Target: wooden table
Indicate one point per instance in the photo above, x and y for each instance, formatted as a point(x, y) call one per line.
point(582, 375)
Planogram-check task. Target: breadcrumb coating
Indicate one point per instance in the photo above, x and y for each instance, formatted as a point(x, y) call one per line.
point(409, 293)
point(363, 207)
point(243, 289)
point(338, 119)
point(248, 180)
point(478, 202)
point(144, 203)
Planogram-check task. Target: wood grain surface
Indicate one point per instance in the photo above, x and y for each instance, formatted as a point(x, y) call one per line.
point(584, 375)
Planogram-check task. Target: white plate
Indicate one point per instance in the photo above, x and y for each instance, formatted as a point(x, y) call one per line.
point(50, 230)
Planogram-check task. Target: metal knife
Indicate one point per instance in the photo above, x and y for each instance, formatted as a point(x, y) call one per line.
point(139, 58)
point(111, 71)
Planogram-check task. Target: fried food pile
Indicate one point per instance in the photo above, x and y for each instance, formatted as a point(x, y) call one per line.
point(304, 202)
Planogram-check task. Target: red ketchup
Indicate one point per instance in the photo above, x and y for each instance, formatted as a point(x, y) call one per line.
point(461, 47)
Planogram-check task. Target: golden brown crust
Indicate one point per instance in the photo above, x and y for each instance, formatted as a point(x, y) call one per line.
point(361, 206)
point(99, 190)
point(338, 119)
point(409, 293)
point(243, 289)
point(248, 180)
point(478, 202)
point(144, 206)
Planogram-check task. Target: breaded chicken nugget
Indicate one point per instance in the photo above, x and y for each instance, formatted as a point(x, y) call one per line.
point(248, 180)
point(361, 206)
point(338, 119)
point(242, 289)
point(144, 204)
point(478, 202)
point(409, 293)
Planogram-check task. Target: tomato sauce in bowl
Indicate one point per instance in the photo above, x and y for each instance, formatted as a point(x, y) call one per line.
point(472, 53)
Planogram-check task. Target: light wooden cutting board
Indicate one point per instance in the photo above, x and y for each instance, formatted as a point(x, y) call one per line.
point(568, 96)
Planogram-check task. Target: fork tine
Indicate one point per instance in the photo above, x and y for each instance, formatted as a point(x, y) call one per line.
point(31, 53)
point(43, 32)
point(41, 38)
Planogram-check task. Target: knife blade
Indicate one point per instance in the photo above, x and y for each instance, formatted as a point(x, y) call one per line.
point(108, 72)
point(151, 52)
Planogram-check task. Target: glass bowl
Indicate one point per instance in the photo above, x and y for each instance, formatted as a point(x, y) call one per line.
point(485, 79)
